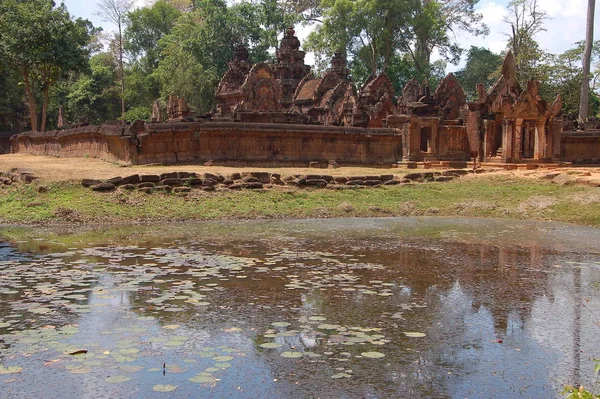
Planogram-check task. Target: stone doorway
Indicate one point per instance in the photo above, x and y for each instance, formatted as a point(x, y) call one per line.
point(528, 129)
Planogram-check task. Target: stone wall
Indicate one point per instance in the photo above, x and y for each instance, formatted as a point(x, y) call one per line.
point(109, 142)
point(581, 147)
point(224, 142)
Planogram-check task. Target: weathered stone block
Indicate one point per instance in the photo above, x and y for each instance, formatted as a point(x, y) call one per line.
point(133, 179)
point(146, 185)
point(163, 188)
point(316, 182)
point(115, 180)
point(172, 182)
point(170, 175)
point(150, 178)
point(84, 182)
point(128, 187)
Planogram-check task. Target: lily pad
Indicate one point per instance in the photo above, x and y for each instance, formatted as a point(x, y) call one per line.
point(271, 345)
point(10, 370)
point(164, 388)
point(291, 355)
point(280, 324)
point(341, 375)
point(373, 355)
point(202, 379)
point(117, 379)
point(222, 358)
point(413, 334)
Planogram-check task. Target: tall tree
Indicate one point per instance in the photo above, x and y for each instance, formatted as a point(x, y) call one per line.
point(584, 101)
point(43, 43)
point(526, 19)
point(434, 26)
point(115, 11)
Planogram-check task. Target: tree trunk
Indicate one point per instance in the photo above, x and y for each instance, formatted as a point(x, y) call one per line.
point(584, 100)
point(30, 100)
point(45, 107)
point(122, 72)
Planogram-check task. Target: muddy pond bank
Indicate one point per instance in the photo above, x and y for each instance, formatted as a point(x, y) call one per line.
point(345, 308)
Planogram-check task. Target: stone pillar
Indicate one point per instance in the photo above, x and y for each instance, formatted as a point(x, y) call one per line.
point(540, 150)
point(435, 138)
point(518, 140)
point(508, 127)
point(556, 127)
point(489, 127)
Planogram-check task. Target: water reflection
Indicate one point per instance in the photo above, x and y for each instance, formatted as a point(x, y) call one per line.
point(501, 317)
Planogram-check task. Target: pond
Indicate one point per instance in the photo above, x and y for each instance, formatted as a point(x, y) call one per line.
point(332, 308)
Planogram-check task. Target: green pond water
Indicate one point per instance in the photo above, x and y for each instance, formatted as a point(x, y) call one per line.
point(333, 308)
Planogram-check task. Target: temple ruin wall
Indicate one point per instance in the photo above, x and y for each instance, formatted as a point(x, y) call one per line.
point(238, 143)
point(227, 142)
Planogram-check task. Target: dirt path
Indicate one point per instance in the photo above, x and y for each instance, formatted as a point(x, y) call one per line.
point(65, 169)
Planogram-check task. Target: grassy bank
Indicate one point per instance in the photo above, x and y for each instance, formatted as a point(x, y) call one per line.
point(495, 196)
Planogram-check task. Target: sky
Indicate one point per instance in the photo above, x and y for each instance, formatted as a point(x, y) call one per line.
point(566, 26)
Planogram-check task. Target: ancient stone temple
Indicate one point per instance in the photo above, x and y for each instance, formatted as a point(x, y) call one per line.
point(510, 124)
point(229, 92)
point(289, 67)
point(432, 126)
point(330, 100)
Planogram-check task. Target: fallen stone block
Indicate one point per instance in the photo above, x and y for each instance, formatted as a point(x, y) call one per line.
point(170, 175)
point(182, 190)
point(164, 188)
point(90, 182)
point(128, 187)
point(173, 182)
point(145, 185)
point(117, 181)
point(413, 176)
point(316, 182)
point(133, 179)
point(149, 178)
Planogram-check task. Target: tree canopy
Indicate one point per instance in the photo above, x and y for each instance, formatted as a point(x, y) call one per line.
point(50, 59)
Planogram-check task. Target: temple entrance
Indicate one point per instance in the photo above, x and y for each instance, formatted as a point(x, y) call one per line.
point(497, 148)
point(528, 138)
point(426, 139)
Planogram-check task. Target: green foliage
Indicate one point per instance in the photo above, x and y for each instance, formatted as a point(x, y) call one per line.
point(145, 27)
point(44, 44)
point(572, 392)
point(95, 96)
point(479, 68)
point(137, 114)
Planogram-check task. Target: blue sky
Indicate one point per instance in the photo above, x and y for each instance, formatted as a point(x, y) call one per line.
point(566, 27)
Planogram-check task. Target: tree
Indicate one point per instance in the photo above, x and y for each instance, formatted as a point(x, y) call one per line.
point(43, 43)
point(145, 27)
point(369, 31)
point(195, 54)
point(95, 96)
point(115, 11)
point(434, 27)
point(479, 68)
point(375, 32)
point(584, 101)
point(526, 20)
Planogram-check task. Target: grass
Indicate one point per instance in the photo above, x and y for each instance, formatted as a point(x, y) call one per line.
point(495, 196)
